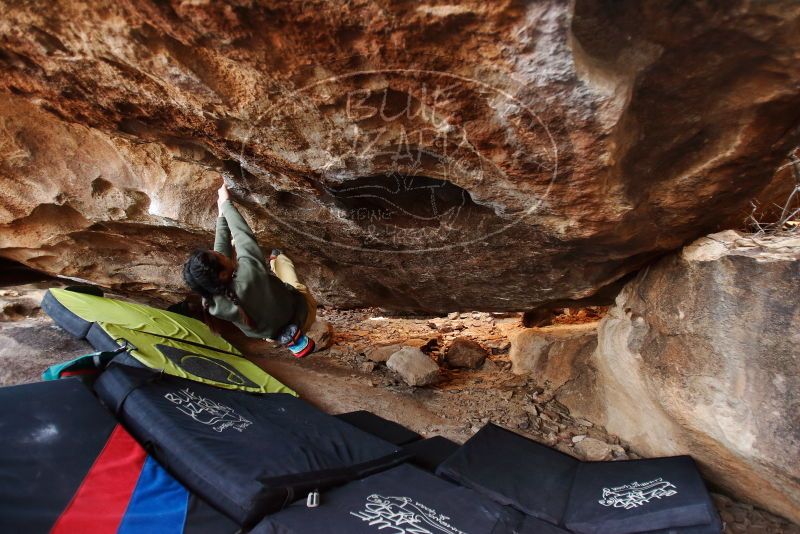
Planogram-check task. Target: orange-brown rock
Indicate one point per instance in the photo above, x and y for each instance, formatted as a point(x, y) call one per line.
point(418, 156)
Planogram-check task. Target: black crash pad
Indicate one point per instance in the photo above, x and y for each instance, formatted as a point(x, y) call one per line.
point(639, 495)
point(429, 453)
point(662, 495)
point(246, 454)
point(513, 470)
point(378, 426)
point(401, 500)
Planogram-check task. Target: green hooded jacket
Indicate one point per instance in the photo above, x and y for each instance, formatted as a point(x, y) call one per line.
point(270, 303)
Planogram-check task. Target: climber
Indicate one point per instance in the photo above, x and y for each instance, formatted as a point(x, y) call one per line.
point(237, 285)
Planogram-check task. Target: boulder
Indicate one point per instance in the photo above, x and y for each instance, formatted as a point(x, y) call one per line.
point(701, 356)
point(514, 139)
point(553, 355)
point(413, 366)
point(465, 353)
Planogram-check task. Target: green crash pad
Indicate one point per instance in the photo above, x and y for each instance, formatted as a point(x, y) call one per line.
point(178, 345)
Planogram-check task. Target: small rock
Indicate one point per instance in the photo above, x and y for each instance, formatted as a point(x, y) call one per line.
point(432, 325)
point(550, 427)
point(413, 366)
point(593, 450)
point(523, 423)
point(381, 354)
point(321, 332)
point(489, 365)
point(578, 439)
point(618, 451)
point(550, 439)
point(500, 347)
point(506, 395)
point(452, 316)
point(583, 422)
point(367, 367)
point(465, 353)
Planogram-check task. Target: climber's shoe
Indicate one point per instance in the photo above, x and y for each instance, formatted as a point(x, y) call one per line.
point(296, 341)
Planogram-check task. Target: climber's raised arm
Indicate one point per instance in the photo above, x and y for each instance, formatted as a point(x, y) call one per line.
point(222, 240)
point(243, 237)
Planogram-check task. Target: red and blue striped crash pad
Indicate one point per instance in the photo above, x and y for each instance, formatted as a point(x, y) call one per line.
point(66, 466)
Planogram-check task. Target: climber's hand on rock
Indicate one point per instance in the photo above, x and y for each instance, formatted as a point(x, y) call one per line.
point(222, 196)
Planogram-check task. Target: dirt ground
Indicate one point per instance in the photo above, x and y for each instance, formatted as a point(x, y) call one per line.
point(342, 379)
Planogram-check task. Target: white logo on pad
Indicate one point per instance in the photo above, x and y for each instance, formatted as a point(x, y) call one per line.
point(206, 411)
point(637, 494)
point(403, 515)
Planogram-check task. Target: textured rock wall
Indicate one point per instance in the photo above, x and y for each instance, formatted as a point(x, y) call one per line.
point(419, 156)
point(701, 355)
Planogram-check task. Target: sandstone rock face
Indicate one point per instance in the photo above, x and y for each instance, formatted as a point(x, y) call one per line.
point(701, 355)
point(373, 140)
point(553, 355)
point(466, 353)
point(413, 366)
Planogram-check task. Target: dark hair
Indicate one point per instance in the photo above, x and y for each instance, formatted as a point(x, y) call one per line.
point(201, 274)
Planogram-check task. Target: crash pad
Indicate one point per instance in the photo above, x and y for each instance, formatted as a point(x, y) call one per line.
point(403, 499)
point(639, 495)
point(378, 426)
point(513, 470)
point(67, 466)
point(176, 344)
point(247, 455)
point(659, 495)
